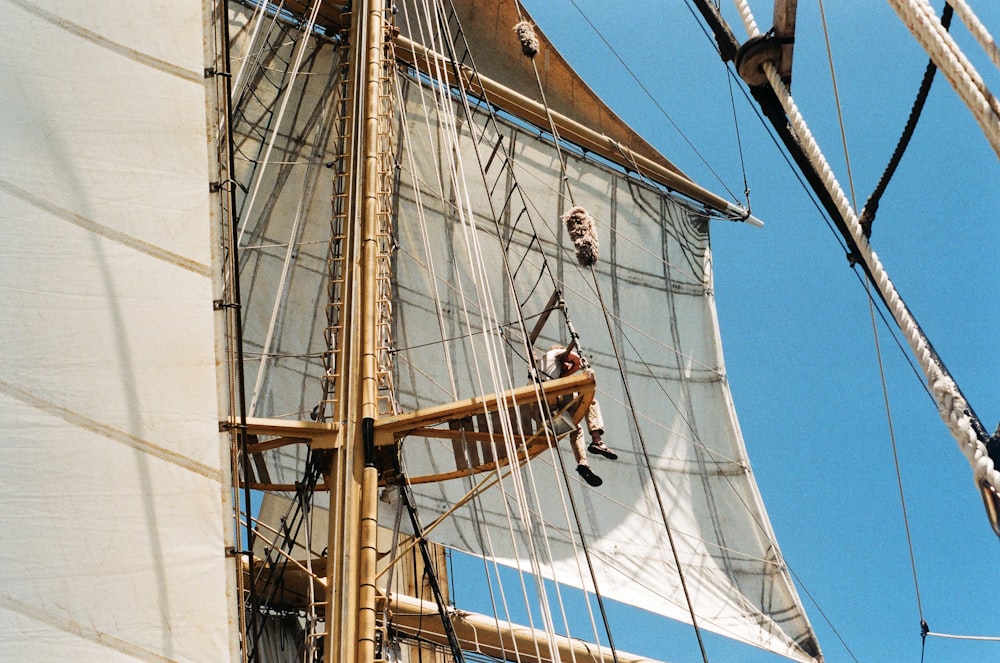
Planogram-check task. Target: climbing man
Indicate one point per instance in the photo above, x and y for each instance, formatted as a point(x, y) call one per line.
point(557, 362)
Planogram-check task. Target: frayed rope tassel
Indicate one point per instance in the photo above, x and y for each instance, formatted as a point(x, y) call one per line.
point(526, 35)
point(580, 226)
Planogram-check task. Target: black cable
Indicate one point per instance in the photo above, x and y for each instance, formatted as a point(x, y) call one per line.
point(867, 216)
point(418, 534)
point(234, 309)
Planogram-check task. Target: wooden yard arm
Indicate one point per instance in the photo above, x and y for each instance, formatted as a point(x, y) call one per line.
point(390, 429)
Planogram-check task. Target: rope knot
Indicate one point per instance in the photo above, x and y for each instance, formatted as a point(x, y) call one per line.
point(580, 226)
point(526, 35)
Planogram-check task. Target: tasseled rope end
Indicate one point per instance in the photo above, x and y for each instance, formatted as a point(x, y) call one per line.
point(526, 35)
point(580, 226)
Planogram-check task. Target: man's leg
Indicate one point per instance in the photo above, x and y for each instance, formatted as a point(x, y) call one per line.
point(595, 424)
point(580, 453)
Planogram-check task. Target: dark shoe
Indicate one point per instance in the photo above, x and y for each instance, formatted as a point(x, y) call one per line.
point(601, 449)
point(589, 476)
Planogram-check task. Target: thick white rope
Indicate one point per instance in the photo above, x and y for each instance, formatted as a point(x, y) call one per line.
point(925, 25)
point(951, 405)
point(978, 30)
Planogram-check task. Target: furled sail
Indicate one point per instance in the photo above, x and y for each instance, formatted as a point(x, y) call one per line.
point(114, 480)
point(479, 250)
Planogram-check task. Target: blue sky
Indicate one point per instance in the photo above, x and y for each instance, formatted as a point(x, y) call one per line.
point(795, 319)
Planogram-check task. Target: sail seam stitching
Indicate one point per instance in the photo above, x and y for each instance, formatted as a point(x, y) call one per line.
point(109, 431)
point(110, 45)
point(107, 232)
point(61, 622)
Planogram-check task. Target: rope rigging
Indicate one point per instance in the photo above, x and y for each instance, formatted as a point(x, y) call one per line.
point(954, 410)
point(965, 427)
point(866, 219)
point(871, 309)
point(277, 548)
point(456, 648)
point(870, 209)
point(924, 24)
point(506, 332)
point(568, 186)
point(659, 106)
point(487, 333)
point(454, 170)
point(580, 226)
point(493, 151)
point(541, 594)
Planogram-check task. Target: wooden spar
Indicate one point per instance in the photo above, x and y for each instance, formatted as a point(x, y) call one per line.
point(391, 428)
point(320, 435)
point(567, 397)
point(784, 33)
point(372, 14)
point(532, 111)
point(497, 638)
point(473, 450)
point(343, 641)
point(476, 633)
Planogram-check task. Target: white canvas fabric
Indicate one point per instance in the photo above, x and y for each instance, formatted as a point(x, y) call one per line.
point(451, 283)
point(655, 278)
point(113, 478)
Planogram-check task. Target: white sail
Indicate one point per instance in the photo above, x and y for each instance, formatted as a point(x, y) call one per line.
point(114, 480)
point(656, 283)
point(283, 120)
point(655, 277)
point(114, 374)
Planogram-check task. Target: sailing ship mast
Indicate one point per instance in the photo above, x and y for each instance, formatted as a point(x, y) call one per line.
point(352, 475)
point(477, 83)
point(129, 449)
point(362, 429)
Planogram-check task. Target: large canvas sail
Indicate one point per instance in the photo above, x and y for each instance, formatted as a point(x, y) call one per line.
point(116, 512)
point(676, 425)
point(128, 467)
point(479, 249)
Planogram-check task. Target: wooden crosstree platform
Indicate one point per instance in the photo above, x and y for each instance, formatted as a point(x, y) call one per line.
point(474, 426)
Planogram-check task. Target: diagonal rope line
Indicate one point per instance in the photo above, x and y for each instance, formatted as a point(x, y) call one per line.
point(443, 102)
point(874, 324)
point(604, 309)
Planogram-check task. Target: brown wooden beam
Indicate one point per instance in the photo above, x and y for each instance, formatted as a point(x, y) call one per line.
point(531, 111)
point(784, 32)
point(321, 435)
point(497, 638)
point(388, 429)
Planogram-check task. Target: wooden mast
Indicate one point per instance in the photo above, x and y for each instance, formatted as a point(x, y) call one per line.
point(784, 33)
point(375, 62)
point(353, 478)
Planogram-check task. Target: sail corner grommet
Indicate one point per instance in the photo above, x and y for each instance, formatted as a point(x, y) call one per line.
point(752, 55)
